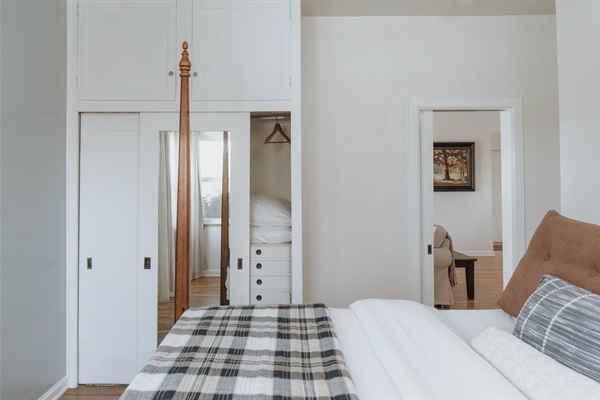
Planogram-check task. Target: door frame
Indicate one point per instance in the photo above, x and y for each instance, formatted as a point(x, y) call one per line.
point(421, 189)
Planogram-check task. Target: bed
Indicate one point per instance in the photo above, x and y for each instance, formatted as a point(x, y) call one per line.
point(541, 344)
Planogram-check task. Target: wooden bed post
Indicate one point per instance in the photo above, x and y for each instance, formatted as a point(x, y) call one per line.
point(182, 238)
point(225, 221)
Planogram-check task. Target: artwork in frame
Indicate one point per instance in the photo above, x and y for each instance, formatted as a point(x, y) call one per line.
point(453, 166)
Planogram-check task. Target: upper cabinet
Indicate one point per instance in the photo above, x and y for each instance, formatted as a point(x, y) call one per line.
point(127, 50)
point(128, 54)
point(241, 50)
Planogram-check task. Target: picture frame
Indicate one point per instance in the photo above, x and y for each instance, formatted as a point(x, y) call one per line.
point(454, 167)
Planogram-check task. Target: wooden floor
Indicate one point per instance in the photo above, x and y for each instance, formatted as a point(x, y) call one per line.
point(488, 284)
point(205, 292)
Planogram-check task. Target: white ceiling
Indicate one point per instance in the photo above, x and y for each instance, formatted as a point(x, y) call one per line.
point(334, 8)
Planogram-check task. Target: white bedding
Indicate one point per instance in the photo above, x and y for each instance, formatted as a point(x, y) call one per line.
point(471, 323)
point(537, 375)
point(399, 349)
point(270, 234)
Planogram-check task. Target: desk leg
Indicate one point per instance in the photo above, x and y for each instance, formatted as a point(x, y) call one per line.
point(470, 276)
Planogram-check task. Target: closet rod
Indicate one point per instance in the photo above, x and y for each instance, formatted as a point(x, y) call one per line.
point(271, 117)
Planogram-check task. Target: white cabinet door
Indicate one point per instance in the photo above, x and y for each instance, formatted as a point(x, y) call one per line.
point(127, 50)
point(240, 50)
point(238, 126)
point(118, 230)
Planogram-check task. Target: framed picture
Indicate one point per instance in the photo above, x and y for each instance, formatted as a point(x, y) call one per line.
point(454, 166)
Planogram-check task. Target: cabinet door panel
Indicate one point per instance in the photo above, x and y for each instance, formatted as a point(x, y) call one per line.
point(241, 50)
point(127, 50)
point(270, 251)
point(270, 283)
point(270, 267)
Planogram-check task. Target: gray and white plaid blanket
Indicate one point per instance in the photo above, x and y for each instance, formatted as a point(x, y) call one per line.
point(247, 352)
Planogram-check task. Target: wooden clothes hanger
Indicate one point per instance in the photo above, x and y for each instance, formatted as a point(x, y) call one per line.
point(277, 129)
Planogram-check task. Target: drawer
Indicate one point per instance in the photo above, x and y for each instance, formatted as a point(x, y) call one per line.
point(272, 283)
point(270, 251)
point(270, 297)
point(269, 267)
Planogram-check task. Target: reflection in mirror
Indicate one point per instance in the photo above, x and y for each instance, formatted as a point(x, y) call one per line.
point(206, 176)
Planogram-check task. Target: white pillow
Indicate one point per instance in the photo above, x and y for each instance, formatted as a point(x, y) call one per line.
point(270, 234)
point(267, 210)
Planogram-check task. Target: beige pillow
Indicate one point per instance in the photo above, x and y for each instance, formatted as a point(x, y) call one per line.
point(561, 247)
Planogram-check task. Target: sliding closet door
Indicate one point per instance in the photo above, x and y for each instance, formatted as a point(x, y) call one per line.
point(238, 126)
point(118, 247)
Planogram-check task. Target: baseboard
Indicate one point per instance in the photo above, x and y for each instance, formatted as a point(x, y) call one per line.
point(212, 272)
point(477, 253)
point(57, 390)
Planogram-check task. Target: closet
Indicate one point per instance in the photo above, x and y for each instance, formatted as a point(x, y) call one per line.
point(270, 208)
point(245, 64)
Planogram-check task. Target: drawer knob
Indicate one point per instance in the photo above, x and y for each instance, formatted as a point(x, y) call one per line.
point(258, 252)
point(259, 297)
point(259, 281)
point(258, 266)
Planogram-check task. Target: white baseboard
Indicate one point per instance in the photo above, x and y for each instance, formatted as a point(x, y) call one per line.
point(57, 390)
point(477, 253)
point(212, 272)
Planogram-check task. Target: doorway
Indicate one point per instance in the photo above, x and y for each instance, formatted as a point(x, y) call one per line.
point(421, 187)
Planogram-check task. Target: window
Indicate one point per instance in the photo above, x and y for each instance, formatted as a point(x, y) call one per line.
point(211, 174)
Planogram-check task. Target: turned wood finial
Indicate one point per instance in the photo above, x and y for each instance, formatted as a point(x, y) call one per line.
point(185, 65)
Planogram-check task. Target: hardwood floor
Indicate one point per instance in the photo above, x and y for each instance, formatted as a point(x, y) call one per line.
point(205, 292)
point(488, 284)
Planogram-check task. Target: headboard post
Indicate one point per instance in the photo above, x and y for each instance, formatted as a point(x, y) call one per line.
point(182, 238)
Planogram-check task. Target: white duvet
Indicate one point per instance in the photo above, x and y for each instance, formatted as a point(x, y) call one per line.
point(397, 349)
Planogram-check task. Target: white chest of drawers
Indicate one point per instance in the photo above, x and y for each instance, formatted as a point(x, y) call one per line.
point(270, 274)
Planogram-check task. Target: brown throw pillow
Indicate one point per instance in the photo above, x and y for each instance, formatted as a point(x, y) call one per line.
point(561, 247)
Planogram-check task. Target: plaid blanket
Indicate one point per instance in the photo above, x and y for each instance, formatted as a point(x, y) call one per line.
point(247, 352)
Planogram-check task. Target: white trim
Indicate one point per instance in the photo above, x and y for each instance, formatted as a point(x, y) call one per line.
point(72, 200)
point(56, 391)
point(477, 253)
point(426, 174)
point(296, 151)
point(421, 201)
point(211, 272)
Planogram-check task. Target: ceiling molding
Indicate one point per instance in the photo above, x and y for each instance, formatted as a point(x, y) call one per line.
point(356, 8)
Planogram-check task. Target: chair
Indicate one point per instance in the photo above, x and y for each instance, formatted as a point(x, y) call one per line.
point(443, 267)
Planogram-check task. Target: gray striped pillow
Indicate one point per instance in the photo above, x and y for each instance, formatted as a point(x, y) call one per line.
point(563, 321)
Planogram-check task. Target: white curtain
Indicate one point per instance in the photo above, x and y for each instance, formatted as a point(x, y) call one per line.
point(197, 262)
point(167, 204)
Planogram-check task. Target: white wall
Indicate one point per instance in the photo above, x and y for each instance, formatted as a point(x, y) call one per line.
point(358, 74)
point(270, 165)
point(468, 216)
point(33, 197)
point(578, 37)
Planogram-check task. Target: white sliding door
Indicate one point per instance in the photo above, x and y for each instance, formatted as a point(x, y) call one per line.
point(118, 247)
